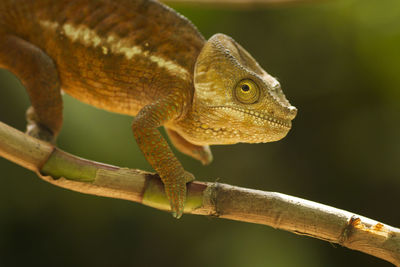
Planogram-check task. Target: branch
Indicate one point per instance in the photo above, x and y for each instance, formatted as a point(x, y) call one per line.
point(240, 3)
point(214, 199)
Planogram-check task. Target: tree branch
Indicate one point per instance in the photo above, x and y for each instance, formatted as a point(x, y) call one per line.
point(214, 199)
point(240, 3)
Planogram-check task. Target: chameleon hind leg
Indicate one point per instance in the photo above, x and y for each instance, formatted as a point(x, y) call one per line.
point(157, 152)
point(39, 76)
point(201, 153)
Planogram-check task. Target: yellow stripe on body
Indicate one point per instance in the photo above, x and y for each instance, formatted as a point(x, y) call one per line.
point(114, 44)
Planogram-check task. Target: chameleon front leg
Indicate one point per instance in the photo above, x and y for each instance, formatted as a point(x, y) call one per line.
point(158, 153)
point(201, 153)
point(38, 74)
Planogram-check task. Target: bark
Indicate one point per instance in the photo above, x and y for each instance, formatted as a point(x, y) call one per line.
point(213, 199)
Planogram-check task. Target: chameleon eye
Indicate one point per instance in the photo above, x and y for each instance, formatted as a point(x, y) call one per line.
point(247, 92)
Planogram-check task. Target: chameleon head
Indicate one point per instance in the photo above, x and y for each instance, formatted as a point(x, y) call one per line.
point(235, 100)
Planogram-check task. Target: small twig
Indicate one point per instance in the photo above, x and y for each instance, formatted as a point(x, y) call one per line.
point(220, 200)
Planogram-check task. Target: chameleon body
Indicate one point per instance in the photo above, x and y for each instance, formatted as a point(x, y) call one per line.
point(141, 58)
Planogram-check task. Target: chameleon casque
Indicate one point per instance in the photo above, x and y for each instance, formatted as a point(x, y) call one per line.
point(141, 58)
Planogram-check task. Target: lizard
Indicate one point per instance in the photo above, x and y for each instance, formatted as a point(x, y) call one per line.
point(141, 58)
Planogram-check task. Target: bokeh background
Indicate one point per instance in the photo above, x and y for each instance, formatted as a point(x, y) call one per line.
point(338, 62)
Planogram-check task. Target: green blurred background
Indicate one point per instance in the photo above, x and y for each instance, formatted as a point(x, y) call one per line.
point(339, 64)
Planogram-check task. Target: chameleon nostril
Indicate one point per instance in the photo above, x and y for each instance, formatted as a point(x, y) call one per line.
point(293, 112)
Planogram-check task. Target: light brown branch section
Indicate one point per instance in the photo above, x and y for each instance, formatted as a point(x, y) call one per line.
point(220, 200)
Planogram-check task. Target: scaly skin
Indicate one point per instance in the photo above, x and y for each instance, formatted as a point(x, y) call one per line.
point(143, 59)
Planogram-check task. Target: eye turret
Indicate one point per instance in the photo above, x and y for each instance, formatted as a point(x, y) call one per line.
point(247, 92)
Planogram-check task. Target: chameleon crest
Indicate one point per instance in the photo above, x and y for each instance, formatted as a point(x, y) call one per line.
point(235, 100)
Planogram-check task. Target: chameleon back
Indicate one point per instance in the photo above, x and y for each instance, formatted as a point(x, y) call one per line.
point(116, 55)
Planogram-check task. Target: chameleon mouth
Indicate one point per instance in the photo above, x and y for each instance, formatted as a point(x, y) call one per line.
point(273, 121)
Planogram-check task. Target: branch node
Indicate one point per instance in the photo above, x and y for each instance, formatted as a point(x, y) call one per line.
point(348, 229)
point(210, 197)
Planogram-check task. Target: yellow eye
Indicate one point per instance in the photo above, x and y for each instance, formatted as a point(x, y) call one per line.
point(247, 91)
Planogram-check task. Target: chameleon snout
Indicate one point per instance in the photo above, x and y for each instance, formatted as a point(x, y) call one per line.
point(292, 112)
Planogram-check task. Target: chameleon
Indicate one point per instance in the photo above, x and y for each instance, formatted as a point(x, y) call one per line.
point(141, 58)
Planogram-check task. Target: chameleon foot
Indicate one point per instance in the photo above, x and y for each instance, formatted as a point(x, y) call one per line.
point(36, 130)
point(204, 155)
point(176, 193)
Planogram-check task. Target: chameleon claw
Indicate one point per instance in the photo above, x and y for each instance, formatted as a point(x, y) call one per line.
point(178, 204)
point(176, 193)
point(202, 154)
point(35, 129)
point(206, 156)
point(176, 215)
point(189, 177)
point(176, 212)
point(40, 132)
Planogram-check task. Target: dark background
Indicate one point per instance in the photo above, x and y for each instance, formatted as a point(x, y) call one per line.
point(338, 62)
